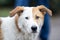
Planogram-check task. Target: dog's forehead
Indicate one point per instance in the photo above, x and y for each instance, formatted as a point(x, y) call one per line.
point(30, 11)
point(28, 7)
point(27, 11)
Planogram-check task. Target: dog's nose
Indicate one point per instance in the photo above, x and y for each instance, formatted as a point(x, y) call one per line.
point(34, 28)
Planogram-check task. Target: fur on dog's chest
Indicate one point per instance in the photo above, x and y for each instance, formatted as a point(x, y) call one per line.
point(27, 36)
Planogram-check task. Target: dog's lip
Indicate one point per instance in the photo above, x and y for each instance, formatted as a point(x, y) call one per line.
point(34, 32)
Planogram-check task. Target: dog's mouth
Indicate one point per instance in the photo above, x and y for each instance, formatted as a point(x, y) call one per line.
point(34, 31)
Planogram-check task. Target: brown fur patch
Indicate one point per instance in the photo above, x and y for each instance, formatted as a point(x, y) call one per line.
point(40, 11)
point(17, 10)
point(1, 36)
point(16, 22)
point(36, 12)
point(45, 9)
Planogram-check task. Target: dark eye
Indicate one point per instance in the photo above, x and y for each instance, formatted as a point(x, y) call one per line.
point(37, 17)
point(26, 18)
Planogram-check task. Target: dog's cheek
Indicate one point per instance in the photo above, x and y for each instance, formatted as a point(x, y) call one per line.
point(39, 21)
point(40, 24)
point(25, 25)
point(28, 27)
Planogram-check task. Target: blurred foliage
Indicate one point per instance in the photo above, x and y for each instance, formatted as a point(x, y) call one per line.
point(6, 2)
point(4, 12)
point(55, 5)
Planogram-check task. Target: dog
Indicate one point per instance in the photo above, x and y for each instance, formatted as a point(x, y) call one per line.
point(24, 23)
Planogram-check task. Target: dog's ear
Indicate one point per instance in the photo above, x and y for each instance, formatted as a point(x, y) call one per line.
point(18, 10)
point(44, 9)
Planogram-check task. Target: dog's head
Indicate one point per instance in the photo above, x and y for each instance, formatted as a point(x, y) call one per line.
point(30, 19)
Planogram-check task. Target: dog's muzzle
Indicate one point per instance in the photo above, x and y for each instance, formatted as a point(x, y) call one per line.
point(34, 29)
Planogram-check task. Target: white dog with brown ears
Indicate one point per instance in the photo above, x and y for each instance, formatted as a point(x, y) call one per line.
point(25, 23)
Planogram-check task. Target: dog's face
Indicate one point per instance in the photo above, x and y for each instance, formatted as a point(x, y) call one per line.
point(30, 19)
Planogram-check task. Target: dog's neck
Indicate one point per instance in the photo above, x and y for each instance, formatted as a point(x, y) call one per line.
point(27, 36)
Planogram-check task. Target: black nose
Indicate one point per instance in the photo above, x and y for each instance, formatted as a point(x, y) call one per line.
point(34, 28)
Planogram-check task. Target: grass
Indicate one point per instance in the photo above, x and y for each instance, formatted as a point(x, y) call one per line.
point(4, 12)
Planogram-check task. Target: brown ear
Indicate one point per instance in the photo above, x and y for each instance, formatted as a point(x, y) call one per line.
point(44, 9)
point(17, 10)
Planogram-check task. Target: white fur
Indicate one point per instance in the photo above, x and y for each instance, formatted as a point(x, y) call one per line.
point(10, 31)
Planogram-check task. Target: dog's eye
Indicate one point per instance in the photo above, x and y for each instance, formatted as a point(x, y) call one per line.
point(37, 17)
point(26, 18)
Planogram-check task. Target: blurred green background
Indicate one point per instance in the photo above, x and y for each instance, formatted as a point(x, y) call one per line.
point(7, 5)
